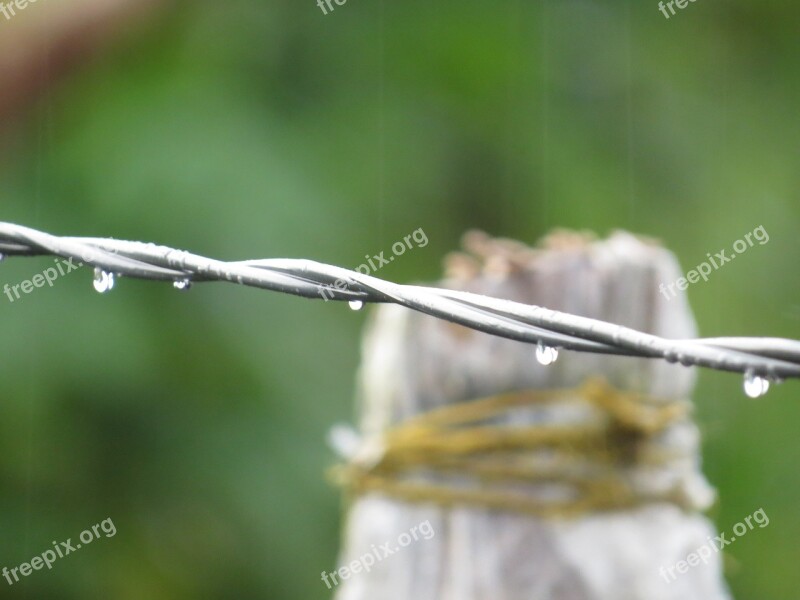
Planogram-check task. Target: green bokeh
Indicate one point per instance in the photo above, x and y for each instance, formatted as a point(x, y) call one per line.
point(238, 130)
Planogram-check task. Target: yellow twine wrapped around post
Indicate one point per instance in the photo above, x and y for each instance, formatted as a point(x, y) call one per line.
point(464, 442)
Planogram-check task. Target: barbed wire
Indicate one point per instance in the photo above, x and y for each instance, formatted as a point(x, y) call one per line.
point(761, 360)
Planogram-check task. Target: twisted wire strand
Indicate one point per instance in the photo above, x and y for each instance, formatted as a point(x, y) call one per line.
point(772, 358)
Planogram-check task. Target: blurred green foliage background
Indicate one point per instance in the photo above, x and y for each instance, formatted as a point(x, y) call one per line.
point(251, 129)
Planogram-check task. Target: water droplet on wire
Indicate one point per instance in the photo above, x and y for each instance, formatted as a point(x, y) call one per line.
point(356, 304)
point(103, 280)
point(755, 386)
point(546, 355)
point(182, 285)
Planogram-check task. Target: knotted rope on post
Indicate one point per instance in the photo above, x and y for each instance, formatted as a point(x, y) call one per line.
point(580, 450)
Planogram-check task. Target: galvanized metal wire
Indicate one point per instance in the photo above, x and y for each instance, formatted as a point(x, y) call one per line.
point(768, 359)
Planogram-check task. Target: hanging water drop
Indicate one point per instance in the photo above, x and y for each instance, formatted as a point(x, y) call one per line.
point(546, 355)
point(755, 386)
point(103, 280)
point(182, 285)
point(356, 304)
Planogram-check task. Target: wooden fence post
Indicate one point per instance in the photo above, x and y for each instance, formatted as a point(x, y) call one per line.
point(626, 544)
